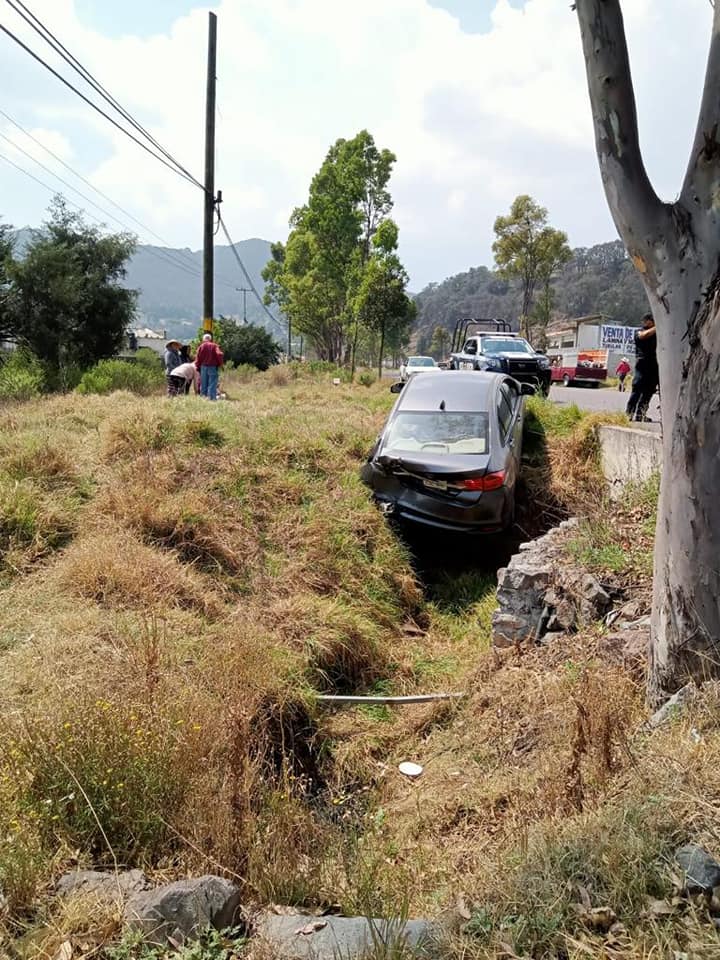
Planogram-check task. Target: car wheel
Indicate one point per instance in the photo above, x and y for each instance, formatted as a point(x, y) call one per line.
point(567, 381)
point(453, 365)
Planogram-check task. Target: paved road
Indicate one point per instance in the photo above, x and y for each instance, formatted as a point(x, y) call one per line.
point(601, 399)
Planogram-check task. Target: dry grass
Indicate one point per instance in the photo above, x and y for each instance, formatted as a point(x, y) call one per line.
point(221, 564)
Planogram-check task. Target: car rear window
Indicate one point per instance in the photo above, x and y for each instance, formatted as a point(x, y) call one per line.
point(421, 362)
point(438, 432)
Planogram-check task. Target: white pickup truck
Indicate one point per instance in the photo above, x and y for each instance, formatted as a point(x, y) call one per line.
point(504, 352)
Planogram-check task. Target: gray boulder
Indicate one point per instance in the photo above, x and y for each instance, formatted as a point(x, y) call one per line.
point(702, 871)
point(115, 887)
point(182, 910)
point(301, 937)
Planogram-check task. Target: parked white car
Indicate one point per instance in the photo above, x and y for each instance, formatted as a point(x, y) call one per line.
point(413, 365)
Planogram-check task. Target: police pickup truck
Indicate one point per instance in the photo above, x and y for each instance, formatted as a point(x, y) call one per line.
point(504, 352)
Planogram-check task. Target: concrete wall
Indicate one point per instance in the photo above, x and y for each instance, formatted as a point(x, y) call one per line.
point(629, 454)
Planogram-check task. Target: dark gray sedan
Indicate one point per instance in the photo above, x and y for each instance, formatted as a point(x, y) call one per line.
point(449, 454)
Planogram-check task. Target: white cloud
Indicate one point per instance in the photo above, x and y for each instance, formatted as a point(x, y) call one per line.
point(474, 119)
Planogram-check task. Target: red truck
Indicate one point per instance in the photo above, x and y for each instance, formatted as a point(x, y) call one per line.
point(581, 368)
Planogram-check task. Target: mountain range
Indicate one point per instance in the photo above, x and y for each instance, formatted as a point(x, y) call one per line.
point(169, 282)
point(169, 285)
point(598, 279)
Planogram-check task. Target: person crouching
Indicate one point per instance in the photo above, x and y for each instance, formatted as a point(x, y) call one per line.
point(181, 378)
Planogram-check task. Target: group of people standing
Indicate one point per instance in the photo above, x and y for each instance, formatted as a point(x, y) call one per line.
point(646, 378)
point(183, 371)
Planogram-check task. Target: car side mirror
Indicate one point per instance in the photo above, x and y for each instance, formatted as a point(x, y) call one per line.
point(527, 390)
point(397, 387)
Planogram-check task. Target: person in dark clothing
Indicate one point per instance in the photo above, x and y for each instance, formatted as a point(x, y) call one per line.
point(186, 357)
point(647, 377)
point(170, 361)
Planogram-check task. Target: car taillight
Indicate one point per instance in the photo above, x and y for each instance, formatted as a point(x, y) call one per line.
point(491, 481)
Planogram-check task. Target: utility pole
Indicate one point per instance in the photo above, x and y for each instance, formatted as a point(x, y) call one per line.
point(244, 291)
point(209, 212)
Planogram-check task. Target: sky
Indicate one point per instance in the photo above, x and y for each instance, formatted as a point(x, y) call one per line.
point(480, 100)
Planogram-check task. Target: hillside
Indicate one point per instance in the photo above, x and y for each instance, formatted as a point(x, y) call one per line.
point(169, 281)
point(598, 279)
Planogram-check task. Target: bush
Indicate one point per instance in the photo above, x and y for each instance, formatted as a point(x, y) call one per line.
point(145, 357)
point(109, 375)
point(114, 765)
point(21, 376)
point(366, 379)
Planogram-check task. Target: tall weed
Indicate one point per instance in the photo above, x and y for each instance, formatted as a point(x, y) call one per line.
point(21, 376)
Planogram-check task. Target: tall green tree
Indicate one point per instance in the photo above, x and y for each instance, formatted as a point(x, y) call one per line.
point(65, 298)
point(316, 277)
point(381, 303)
point(526, 248)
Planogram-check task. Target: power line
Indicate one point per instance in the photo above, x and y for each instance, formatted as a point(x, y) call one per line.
point(58, 47)
point(91, 185)
point(160, 255)
point(99, 110)
point(176, 256)
point(107, 213)
point(246, 274)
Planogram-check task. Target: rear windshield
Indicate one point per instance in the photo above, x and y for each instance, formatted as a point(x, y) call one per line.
point(511, 345)
point(421, 362)
point(438, 432)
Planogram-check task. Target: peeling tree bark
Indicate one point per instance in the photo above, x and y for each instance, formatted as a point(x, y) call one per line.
point(676, 249)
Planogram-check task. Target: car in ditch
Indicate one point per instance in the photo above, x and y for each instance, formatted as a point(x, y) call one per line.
point(448, 457)
point(413, 365)
point(507, 353)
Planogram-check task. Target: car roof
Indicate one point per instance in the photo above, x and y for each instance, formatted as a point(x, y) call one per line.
point(458, 390)
point(420, 356)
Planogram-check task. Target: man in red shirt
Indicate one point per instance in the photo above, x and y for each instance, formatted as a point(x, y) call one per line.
point(208, 360)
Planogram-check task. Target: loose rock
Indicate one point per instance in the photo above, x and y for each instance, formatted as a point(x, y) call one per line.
point(182, 910)
point(348, 937)
point(541, 591)
point(702, 871)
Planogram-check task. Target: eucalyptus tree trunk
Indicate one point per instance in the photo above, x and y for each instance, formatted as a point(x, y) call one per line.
point(676, 249)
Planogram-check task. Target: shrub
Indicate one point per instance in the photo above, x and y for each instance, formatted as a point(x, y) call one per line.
point(100, 775)
point(21, 376)
point(109, 375)
point(145, 357)
point(366, 379)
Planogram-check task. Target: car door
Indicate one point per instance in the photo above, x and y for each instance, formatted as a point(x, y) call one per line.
point(511, 424)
